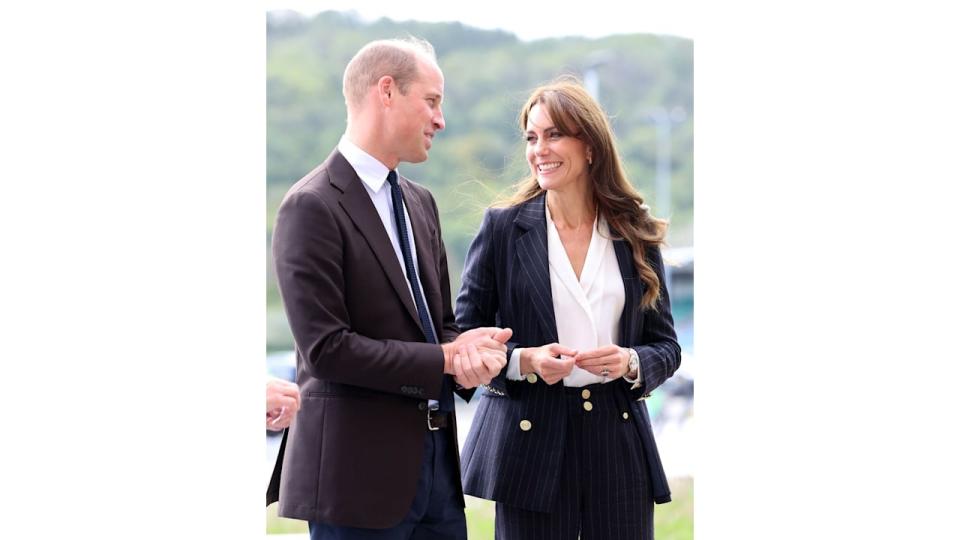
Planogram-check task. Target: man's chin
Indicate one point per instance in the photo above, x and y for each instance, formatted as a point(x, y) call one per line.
point(418, 159)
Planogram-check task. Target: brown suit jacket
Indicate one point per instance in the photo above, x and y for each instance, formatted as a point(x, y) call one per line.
point(352, 456)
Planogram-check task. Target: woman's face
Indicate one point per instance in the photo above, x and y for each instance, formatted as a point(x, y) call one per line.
point(558, 161)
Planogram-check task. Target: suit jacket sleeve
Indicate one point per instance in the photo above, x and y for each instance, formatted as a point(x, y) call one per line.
point(659, 353)
point(308, 252)
point(478, 300)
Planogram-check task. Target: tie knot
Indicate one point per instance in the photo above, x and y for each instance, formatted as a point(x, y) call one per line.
point(392, 178)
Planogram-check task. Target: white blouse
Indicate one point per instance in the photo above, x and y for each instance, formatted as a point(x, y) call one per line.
point(587, 310)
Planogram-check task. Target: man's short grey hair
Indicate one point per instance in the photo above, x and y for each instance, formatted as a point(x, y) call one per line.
point(394, 57)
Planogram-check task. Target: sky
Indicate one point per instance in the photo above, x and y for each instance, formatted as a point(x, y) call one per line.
point(528, 20)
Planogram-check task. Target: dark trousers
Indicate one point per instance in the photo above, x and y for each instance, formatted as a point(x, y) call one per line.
point(436, 513)
point(604, 489)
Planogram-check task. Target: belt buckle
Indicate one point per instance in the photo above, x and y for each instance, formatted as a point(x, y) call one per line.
point(429, 425)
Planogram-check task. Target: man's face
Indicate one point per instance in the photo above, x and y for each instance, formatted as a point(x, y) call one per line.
point(416, 117)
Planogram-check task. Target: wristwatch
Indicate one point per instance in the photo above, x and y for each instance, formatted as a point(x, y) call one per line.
point(633, 365)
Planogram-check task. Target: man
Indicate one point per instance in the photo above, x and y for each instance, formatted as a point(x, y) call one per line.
point(362, 271)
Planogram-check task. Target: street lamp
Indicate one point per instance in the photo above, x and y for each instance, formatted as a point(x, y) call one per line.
point(664, 121)
point(591, 78)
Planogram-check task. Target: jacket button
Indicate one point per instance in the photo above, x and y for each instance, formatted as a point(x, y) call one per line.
point(587, 406)
point(422, 405)
point(585, 394)
point(626, 416)
point(526, 425)
point(531, 378)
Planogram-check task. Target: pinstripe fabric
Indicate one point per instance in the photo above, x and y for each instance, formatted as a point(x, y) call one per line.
point(604, 490)
point(506, 283)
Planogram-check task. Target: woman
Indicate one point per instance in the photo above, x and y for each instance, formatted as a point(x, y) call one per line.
point(561, 438)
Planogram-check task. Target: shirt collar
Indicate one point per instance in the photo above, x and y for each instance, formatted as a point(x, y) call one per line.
point(368, 168)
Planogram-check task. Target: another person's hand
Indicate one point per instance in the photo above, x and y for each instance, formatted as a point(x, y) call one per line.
point(283, 402)
point(609, 361)
point(548, 361)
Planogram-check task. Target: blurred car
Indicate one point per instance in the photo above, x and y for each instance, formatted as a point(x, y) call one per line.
point(282, 365)
point(671, 404)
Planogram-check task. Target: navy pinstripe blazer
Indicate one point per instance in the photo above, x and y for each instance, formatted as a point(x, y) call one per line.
point(506, 283)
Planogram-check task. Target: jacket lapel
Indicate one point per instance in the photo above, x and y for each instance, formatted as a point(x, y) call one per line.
point(357, 204)
point(632, 292)
point(534, 265)
point(425, 253)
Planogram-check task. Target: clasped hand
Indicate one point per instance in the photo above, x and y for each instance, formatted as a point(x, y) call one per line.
point(609, 361)
point(553, 362)
point(476, 356)
point(283, 401)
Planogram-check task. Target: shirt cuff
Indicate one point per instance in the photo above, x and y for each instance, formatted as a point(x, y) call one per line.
point(635, 382)
point(513, 365)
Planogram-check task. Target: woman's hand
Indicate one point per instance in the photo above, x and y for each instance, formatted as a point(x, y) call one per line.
point(609, 361)
point(547, 362)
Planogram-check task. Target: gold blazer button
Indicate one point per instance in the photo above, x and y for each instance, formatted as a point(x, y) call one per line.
point(585, 394)
point(531, 378)
point(587, 406)
point(525, 425)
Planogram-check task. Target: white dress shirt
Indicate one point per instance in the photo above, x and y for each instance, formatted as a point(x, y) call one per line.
point(587, 310)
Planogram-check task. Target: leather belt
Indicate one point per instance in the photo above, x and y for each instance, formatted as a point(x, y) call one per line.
point(437, 420)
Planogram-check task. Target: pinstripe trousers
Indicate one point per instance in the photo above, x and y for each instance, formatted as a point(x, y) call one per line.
point(604, 492)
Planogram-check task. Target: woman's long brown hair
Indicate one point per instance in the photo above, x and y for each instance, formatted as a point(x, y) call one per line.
point(575, 113)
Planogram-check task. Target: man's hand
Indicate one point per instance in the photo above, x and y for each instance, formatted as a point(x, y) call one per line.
point(479, 356)
point(485, 339)
point(283, 402)
point(548, 361)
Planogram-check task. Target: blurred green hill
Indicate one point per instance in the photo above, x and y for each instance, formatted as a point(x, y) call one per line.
point(479, 155)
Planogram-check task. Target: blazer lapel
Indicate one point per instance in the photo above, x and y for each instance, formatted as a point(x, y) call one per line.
point(534, 265)
point(358, 206)
point(425, 253)
point(632, 292)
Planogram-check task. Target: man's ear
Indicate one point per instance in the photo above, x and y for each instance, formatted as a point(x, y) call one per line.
point(386, 87)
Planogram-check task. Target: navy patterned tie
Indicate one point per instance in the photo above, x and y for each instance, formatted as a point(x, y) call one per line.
point(446, 392)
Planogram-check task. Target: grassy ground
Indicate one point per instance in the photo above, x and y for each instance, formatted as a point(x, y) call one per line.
point(672, 521)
